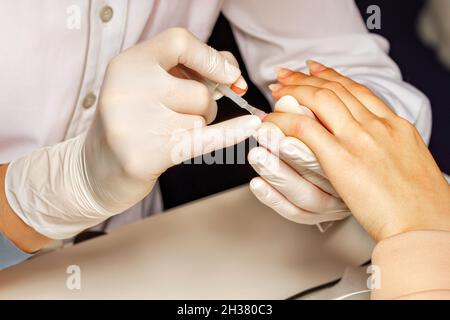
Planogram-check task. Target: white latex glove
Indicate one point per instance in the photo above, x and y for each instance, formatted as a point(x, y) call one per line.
point(147, 121)
point(292, 182)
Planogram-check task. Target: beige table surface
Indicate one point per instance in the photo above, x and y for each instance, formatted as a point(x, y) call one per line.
point(225, 246)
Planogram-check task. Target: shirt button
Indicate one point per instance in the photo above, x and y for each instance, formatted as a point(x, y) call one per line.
point(106, 13)
point(89, 100)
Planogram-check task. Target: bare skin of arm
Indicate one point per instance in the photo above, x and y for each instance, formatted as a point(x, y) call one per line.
point(22, 235)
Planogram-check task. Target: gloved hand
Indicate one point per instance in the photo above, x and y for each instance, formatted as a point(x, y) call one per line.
point(147, 121)
point(292, 182)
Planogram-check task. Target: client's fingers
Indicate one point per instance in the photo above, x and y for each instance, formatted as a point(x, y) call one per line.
point(358, 110)
point(289, 104)
point(325, 104)
point(361, 92)
point(308, 130)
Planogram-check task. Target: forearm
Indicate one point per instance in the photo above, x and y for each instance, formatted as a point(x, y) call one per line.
point(19, 233)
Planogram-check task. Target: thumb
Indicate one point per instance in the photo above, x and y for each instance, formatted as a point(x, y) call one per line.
point(202, 140)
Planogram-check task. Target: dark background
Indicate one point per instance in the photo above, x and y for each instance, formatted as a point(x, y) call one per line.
point(419, 66)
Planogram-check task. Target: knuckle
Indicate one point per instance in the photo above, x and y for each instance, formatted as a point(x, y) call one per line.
point(230, 57)
point(405, 126)
point(323, 94)
point(299, 126)
point(179, 38)
point(132, 167)
point(277, 204)
point(402, 123)
point(359, 88)
point(378, 124)
point(334, 86)
point(178, 33)
point(366, 141)
point(296, 78)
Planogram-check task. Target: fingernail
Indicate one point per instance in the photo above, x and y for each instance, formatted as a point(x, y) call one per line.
point(283, 72)
point(275, 87)
point(315, 67)
point(241, 84)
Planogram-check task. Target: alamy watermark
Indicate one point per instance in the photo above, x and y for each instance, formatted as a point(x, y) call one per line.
point(73, 281)
point(373, 22)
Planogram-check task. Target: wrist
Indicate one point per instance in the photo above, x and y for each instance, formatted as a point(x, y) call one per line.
point(48, 191)
point(15, 229)
point(110, 185)
point(432, 215)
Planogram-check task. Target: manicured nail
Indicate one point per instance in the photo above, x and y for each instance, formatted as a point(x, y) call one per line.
point(315, 67)
point(241, 84)
point(275, 87)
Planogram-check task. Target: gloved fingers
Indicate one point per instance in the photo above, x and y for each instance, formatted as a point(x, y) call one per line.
point(179, 46)
point(269, 136)
point(295, 153)
point(270, 197)
point(289, 104)
point(299, 157)
point(188, 144)
point(294, 187)
point(240, 86)
point(189, 97)
point(316, 179)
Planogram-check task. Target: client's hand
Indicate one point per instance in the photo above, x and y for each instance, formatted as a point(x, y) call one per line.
point(375, 160)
